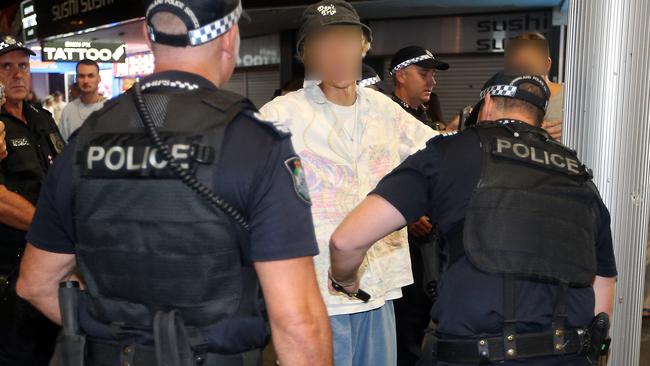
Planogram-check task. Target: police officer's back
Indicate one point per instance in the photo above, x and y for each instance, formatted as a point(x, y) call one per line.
point(177, 203)
point(26, 337)
point(528, 237)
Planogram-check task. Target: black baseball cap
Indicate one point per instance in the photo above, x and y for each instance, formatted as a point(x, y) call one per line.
point(368, 76)
point(329, 12)
point(9, 43)
point(507, 85)
point(416, 55)
point(206, 20)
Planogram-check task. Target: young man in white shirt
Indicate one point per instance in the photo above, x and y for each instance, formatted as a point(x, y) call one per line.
point(348, 138)
point(76, 112)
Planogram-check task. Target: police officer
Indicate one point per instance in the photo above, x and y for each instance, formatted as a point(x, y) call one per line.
point(413, 69)
point(178, 202)
point(529, 248)
point(33, 141)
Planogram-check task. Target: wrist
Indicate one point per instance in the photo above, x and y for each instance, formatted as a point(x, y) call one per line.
point(347, 282)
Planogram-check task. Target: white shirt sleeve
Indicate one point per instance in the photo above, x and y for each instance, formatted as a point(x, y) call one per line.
point(64, 123)
point(413, 134)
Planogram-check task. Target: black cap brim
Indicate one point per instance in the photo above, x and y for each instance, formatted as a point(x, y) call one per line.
point(17, 48)
point(433, 64)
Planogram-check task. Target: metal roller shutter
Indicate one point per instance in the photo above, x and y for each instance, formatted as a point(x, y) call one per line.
point(461, 85)
point(257, 85)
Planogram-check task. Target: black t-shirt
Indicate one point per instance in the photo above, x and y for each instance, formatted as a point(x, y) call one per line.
point(440, 181)
point(254, 177)
point(32, 147)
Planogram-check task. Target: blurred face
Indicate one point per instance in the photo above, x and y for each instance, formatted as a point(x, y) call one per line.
point(417, 82)
point(528, 59)
point(334, 54)
point(88, 79)
point(14, 74)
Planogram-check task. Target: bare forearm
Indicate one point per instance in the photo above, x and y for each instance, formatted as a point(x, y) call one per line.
point(47, 303)
point(304, 343)
point(604, 293)
point(15, 211)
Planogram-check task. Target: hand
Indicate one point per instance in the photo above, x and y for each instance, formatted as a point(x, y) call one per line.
point(3, 143)
point(420, 228)
point(554, 128)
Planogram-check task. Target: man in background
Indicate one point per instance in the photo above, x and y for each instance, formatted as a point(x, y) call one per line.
point(76, 112)
point(414, 68)
point(57, 106)
point(529, 53)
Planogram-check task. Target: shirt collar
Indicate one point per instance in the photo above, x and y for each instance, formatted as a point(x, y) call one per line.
point(315, 93)
point(176, 80)
point(415, 112)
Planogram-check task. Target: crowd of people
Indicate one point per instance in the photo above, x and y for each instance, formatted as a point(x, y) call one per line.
point(378, 232)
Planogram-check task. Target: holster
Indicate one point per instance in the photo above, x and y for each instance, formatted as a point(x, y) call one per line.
point(430, 250)
point(596, 340)
point(71, 342)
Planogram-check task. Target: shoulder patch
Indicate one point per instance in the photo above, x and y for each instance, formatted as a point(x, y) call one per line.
point(297, 171)
point(276, 126)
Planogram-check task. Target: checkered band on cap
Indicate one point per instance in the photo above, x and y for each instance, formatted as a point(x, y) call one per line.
point(369, 81)
point(500, 91)
point(410, 62)
point(215, 29)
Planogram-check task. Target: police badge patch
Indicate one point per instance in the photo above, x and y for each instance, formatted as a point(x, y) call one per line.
point(294, 165)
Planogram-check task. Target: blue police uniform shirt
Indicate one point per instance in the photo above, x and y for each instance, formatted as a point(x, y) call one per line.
point(253, 177)
point(439, 181)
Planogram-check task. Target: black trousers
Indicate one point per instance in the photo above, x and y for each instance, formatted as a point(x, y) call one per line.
point(412, 313)
point(27, 337)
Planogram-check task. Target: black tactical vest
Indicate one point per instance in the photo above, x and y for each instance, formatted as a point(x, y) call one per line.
point(531, 214)
point(148, 243)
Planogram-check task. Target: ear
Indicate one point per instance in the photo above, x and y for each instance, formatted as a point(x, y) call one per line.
point(229, 43)
point(487, 109)
point(145, 33)
point(549, 63)
point(400, 76)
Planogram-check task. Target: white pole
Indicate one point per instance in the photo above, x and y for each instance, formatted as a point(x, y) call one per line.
point(607, 120)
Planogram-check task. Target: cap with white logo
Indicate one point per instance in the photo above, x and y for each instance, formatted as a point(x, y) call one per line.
point(9, 43)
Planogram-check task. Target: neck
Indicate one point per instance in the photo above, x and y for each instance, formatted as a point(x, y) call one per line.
point(518, 117)
point(345, 96)
point(15, 108)
point(89, 98)
point(210, 72)
point(401, 94)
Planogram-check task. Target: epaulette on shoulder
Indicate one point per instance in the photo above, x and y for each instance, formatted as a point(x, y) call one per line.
point(39, 109)
point(442, 136)
point(276, 126)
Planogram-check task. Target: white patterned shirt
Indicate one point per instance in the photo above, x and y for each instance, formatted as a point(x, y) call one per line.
point(345, 152)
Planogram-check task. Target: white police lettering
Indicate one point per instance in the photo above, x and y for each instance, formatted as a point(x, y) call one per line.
point(536, 155)
point(121, 158)
point(326, 10)
point(20, 142)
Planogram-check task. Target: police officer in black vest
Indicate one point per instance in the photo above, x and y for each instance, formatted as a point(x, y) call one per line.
point(178, 202)
point(530, 268)
point(33, 140)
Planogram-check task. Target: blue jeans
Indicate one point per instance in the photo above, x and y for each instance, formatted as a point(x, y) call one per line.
point(366, 338)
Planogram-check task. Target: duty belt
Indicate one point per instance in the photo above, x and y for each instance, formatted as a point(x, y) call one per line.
point(489, 350)
point(104, 352)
